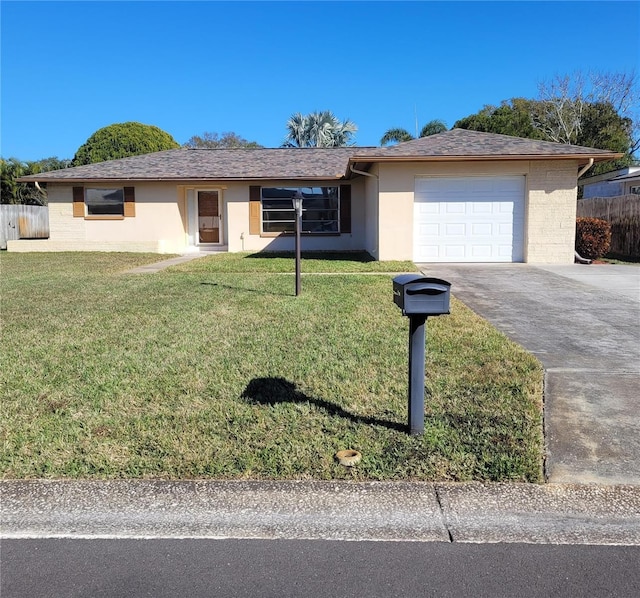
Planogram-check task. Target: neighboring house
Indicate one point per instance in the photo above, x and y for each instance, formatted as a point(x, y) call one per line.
point(459, 196)
point(611, 184)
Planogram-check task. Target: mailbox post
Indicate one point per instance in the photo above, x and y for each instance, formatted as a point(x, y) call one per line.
point(419, 297)
point(297, 206)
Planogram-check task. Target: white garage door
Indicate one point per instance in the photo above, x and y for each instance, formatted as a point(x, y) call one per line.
point(469, 219)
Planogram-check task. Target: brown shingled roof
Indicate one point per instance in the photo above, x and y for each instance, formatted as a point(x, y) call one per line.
point(213, 164)
point(317, 163)
point(462, 144)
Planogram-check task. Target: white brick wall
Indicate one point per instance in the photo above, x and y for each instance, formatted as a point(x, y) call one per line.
point(551, 212)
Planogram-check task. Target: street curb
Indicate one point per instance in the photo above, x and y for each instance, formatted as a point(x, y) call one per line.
point(376, 511)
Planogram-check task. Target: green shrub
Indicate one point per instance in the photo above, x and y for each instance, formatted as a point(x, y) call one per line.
point(593, 237)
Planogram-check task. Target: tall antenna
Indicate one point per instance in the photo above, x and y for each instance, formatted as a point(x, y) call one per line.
point(415, 111)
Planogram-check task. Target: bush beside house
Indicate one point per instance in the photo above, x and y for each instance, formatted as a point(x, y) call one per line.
point(623, 214)
point(593, 237)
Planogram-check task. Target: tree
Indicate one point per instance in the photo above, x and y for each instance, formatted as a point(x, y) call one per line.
point(228, 140)
point(318, 129)
point(567, 103)
point(25, 193)
point(433, 127)
point(593, 110)
point(512, 117)
point(121, 140)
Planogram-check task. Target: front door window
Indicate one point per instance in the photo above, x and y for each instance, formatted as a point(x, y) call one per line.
point(208, 217)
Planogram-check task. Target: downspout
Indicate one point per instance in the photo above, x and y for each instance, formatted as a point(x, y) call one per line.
point(373, 176)
point(589, 165)
point(577, 257)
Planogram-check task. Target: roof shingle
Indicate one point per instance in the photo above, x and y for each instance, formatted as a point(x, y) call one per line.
point(315, 163)
point(463, 143)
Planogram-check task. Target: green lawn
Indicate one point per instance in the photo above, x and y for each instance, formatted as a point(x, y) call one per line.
point(214, 369)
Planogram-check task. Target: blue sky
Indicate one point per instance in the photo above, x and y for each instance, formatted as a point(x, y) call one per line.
point(70, 68)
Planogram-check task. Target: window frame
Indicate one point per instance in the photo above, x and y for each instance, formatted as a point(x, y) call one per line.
point(289, 209)
point(80, 208)
point(105, 216)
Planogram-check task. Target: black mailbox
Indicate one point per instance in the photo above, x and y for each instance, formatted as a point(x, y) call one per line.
point(415, 295)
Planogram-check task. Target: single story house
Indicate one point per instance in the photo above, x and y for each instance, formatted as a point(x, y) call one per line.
point(623, 181)
point(459, 196)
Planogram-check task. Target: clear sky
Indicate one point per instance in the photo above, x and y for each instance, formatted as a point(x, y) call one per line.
point(70, 68)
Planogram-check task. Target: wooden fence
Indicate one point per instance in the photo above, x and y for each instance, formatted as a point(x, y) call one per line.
point(623, 213)
point(23, 222)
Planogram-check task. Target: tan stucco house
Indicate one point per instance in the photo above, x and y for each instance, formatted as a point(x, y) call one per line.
point(459, 196)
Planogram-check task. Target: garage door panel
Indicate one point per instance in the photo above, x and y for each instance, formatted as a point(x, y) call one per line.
point(453, 207)
point(481, 251)
point(469, 219)
point(455, 230)
point(480, 229)
point(453, 251)
point(430, 230)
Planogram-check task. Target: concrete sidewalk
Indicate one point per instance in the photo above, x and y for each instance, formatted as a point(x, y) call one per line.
point(166, 263)
point(385, 511)
point(583, 324)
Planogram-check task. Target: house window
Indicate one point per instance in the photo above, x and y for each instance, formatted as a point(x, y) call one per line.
point(635, 190)
point(320, 209)
point(104, 202)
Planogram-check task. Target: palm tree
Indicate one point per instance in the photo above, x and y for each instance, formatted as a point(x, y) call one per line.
point(396, 136)
point(433, 127)
point(318, 129)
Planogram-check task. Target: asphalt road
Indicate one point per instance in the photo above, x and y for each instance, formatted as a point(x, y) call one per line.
point(261, 568)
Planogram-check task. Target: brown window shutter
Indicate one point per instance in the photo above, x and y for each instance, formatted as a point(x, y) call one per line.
point(129, 202)
point(345, 208)
point(254, 210)
point(78, 202)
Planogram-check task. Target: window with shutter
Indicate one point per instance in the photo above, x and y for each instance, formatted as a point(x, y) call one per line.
point(78, 202)
point(254, 210)
point(129, 202)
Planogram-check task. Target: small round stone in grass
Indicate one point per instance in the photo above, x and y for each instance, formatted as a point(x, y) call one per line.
point(348, 458)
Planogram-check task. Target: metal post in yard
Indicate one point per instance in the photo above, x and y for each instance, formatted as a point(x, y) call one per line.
point(417, 337)
point(297, 205)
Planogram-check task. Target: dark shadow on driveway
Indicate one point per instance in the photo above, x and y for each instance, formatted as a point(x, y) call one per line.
point(271, 391)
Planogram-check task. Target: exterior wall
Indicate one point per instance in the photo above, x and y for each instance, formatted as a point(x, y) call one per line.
point(236, 197)
point(605, 185)
point(371, 192)
point(550, 204)
point(162, 212)
point(632, 186)
point(397, 186)
point(382, 214)
point(156, 227)
point(602, 189)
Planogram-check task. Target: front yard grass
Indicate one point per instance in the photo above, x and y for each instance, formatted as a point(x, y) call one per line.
point(214, 369)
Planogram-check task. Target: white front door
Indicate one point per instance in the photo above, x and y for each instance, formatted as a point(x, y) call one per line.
point(469, 219)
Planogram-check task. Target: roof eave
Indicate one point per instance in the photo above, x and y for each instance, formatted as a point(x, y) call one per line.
point(177, 180)
point(582, 158)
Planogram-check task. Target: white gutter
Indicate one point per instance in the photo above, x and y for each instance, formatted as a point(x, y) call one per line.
point(362, 172)
point(589, 165)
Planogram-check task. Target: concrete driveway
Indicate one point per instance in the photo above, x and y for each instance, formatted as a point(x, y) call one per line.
point(583, 323)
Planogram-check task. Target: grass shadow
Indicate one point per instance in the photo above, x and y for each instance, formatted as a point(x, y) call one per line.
point(259, 291)
point(272, 391)
point(361, 257)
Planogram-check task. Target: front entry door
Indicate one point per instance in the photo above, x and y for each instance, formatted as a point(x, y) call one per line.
point(208, 217)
